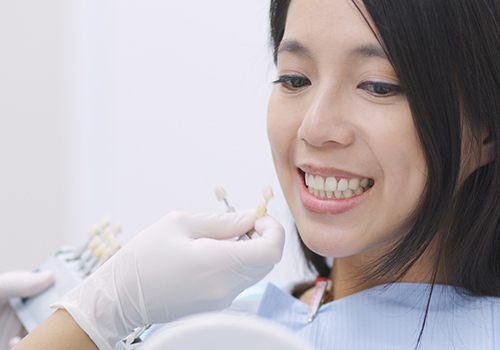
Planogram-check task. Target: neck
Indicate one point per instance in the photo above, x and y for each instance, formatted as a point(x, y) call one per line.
point(346, 269)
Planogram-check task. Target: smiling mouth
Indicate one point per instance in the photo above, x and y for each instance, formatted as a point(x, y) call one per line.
point(333, 187)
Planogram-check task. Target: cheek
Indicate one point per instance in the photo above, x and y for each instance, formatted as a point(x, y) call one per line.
point(282, 126)
point(405, 165)
point(404, 175)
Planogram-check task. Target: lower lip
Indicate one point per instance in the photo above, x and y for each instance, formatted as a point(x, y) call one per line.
point(328, 206)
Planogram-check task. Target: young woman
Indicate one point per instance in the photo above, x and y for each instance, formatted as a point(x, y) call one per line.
point(383, 124)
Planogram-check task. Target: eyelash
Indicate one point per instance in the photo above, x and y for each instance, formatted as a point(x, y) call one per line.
point(295, 82)
point(391, 89)
point(289, 81)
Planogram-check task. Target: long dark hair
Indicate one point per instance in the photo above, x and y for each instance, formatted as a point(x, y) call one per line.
point(446, 55)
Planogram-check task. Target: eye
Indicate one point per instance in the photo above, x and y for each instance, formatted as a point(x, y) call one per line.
point(379, 89)
point(292, 82)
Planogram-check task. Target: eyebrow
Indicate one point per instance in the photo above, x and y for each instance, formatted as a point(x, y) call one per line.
point(364, 51)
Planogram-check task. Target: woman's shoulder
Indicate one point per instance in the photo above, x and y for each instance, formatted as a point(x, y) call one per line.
point(460, 297)
point(493, 304)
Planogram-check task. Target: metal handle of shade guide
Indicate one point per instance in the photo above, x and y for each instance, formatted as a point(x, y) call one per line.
point(135, 337)
point(246, 236)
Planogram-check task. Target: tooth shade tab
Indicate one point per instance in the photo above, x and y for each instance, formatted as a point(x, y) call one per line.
point(267, 193)
point(261, 210)
point(220, 193)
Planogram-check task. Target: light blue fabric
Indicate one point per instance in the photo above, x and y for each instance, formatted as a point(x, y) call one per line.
point(391, 318)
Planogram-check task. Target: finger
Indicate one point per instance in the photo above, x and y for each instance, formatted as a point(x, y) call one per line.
point(24, 283)
point(222, 226)
point(272, 230)
point(263, 251)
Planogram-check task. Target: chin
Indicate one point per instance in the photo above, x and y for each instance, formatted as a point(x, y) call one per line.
point(329, 242)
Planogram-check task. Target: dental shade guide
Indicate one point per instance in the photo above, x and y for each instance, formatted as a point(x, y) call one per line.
point(260, 211)
point(111, 246)
point(95, 231)
point(107, 245)
point(70, 266)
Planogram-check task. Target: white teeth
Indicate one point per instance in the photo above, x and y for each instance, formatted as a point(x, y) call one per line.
point(342, 185)
point(333, 188)
point(353, 184)
point(319, 183)
point(348, 193)
point(330, 184)
point(309, 180)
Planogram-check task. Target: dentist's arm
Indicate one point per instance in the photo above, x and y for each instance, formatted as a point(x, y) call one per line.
point(181, 265)
point(58, 332)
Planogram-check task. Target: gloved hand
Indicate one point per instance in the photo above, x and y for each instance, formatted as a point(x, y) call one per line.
point(18, 284)
point(183, 264)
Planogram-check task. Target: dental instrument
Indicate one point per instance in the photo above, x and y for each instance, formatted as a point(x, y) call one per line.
point(260, 211)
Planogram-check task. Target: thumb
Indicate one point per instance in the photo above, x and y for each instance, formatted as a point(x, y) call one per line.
point(266, 249)
point(24, 283)
point(222, 226)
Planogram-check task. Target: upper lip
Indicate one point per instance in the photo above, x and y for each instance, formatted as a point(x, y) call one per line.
point(329, 171)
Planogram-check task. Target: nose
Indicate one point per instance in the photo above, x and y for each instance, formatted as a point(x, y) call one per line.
point(326, 121)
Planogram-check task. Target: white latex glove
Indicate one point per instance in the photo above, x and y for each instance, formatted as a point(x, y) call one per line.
point(183, 264)
point(18, 284)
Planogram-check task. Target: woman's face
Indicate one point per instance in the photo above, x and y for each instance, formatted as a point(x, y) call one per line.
point(337, 124)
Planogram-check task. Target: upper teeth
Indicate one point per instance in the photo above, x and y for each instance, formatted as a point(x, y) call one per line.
point(317, 182)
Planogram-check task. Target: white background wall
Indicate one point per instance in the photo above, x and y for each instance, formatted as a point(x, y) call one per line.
point(36, 200)
point(129, 109)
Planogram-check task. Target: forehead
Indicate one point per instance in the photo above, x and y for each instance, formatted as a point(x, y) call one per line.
point(331, 28)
